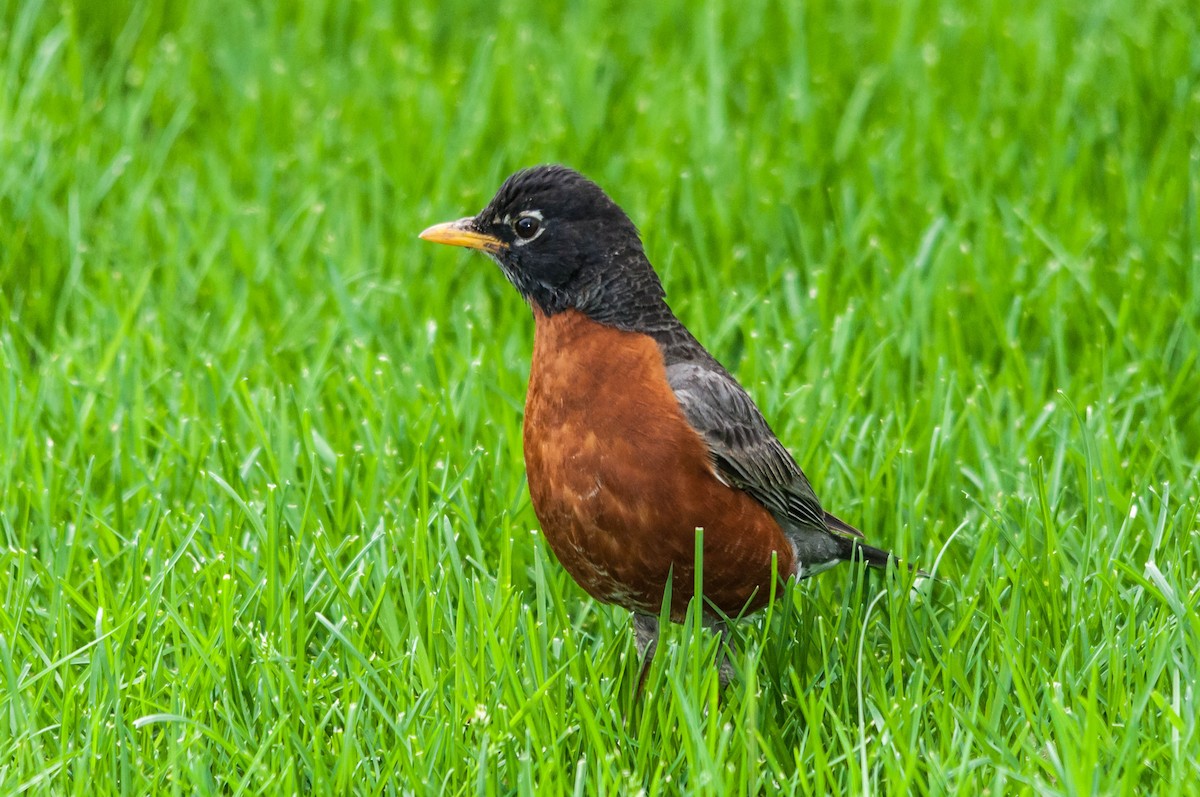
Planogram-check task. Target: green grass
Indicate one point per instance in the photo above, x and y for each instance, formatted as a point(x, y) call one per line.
point(263, 519)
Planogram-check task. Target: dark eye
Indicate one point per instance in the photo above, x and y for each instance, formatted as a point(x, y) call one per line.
point(527, 226)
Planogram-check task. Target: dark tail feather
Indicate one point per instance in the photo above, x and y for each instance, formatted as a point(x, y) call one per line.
point(876, 557)
point(854, 549)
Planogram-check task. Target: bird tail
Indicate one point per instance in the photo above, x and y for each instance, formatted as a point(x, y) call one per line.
point(857, 550)
point(875, 557)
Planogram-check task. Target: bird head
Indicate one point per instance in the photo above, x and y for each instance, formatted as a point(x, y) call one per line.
point(561, 241)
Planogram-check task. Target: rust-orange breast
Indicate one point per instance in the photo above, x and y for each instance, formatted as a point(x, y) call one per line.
point(620, 481)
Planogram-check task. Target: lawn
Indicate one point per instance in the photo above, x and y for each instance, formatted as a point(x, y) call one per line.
point(263, 519)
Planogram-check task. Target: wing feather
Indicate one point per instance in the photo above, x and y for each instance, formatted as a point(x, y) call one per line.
point(745, 452)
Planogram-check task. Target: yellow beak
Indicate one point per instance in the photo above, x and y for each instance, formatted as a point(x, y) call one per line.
point(460, 233)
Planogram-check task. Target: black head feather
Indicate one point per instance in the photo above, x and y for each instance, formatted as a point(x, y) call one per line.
point(565, 244)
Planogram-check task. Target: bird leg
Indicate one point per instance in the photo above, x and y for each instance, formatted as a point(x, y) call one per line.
point(645, 634)
point(725, 670)
point(645, 631)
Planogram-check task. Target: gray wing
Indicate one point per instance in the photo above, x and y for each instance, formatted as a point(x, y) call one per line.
point(745, 452)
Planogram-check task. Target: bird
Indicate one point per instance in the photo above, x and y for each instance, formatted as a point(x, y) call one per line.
point(635, 437)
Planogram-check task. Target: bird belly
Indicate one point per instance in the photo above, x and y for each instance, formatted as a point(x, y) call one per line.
point(620, 482)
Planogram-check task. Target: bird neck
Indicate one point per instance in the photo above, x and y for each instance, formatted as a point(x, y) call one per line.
point(630, 306)
point(631, 300)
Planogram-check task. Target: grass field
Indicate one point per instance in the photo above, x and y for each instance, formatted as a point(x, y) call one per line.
point(263, 515)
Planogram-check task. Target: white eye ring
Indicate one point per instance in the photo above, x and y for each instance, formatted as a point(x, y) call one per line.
point(527, 227)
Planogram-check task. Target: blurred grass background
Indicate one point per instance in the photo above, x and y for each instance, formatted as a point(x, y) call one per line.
point(262, 504)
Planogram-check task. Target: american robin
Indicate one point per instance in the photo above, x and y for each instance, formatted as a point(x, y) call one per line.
point(634, 435)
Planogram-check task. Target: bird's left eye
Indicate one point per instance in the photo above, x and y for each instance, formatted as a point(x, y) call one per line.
point(526, 227)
